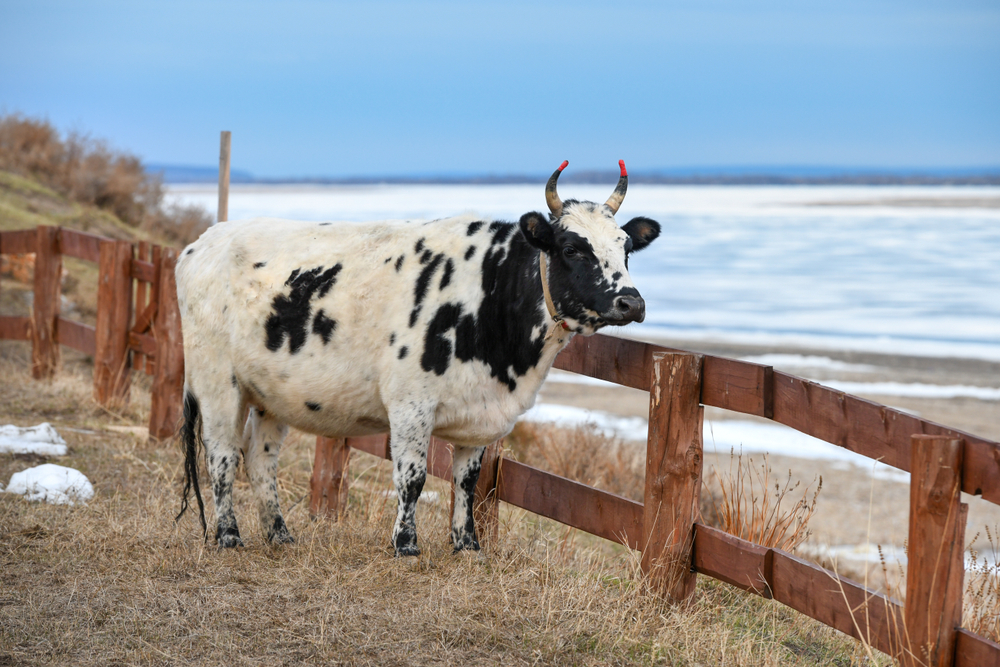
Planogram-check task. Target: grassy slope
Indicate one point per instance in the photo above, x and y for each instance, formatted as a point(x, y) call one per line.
point(116, 582)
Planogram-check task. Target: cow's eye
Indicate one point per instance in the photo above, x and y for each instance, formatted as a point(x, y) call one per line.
point(570, 251)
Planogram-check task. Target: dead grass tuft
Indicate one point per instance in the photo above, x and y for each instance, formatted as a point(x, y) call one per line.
point(981, 609)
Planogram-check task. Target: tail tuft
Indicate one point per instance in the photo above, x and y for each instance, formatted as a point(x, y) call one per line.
point(190, 441)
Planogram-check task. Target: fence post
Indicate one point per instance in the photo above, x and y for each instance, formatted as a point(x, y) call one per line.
point(330, 481)
point(486, 505)
point(936, 551)
point(673, 473)
point(45, 308)
point(114, 314)
point(225, 140)
point(168, 382)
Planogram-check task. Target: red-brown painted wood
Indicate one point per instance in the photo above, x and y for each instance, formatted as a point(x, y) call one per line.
point(330, 481)
point(76, 335)
point(486, 505)
point(591, 510)
point(935, 552)
point(376, 445)
point(673, 473)
point(18, 242)
point(728, 558)
point(81, 245)
point(15, 328)
point(45, 355)
point(114, 312)
point(971, 650)
point(142, 316)
point(168, 382)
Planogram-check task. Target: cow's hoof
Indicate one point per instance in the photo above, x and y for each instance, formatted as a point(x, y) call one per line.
point(278, 539)
point(467, 543)
point(230, 541)
point(407, 550)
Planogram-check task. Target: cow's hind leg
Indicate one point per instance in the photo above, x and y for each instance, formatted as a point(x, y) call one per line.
point(221, 423)
point(263, 438)
point(465, 468)
point(409, 440)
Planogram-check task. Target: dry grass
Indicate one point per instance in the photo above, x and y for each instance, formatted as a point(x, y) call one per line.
point(88, 172)
point(981, 611)
point(117, 582)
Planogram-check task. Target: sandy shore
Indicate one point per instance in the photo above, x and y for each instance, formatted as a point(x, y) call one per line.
point(853, 508)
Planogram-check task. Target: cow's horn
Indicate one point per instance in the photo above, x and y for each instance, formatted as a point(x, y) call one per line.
point(551, 196)
point(615, 200)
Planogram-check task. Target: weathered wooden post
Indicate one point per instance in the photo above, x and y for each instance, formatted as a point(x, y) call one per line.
point(935, 552)
point(168, 382)
point(673, 473)
point(48, 295)
point(330, 481)
point(486, 506)
point(114, 314)
point(224, 144)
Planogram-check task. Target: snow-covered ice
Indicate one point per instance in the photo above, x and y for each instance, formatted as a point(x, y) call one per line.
point(42, 440)
point(52, 484)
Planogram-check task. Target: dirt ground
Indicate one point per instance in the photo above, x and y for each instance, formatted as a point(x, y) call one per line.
point(853, 508)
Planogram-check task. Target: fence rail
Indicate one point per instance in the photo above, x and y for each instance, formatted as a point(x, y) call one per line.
point(138, 323)
point(138, 326)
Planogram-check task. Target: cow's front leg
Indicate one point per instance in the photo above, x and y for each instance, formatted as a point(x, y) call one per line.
point(409, 439)
point(465, 468)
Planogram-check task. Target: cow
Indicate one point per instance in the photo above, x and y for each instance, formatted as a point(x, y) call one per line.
point(444, 328)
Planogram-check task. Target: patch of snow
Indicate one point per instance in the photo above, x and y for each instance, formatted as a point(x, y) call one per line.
point(634, 429)
point(42, 440)
point(431, 497)
point(566, 377)
point(52, 484)
point(915, 390)
point(808, 361)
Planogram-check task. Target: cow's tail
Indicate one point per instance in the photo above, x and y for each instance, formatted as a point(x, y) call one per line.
point(191, 441)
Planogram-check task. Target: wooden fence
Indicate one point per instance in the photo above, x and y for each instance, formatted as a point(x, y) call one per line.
point(138, 322)
point(138, 326)
point(675, 547)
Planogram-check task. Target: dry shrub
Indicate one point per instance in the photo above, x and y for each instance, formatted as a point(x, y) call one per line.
point(88, 171)
point(750, 510)
point(981, 611)
point(581, 453)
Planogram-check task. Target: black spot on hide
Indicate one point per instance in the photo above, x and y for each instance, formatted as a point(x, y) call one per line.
point(426, 256)
point(190, 251)
point(232, 380)
point(387, 260)
point(291, 313)
point(258, 265)
point(474, 227)
point(399, 263)
point(419, 247)
point(392, 339)
point(449, 266)
point(261, 412)
point(403, 351)
point(315, 407)
point(498, 330)
point(420, 288)
point(470, 252)
point(324, 326)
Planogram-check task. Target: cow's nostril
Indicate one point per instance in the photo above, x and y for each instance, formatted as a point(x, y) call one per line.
point(630, 308)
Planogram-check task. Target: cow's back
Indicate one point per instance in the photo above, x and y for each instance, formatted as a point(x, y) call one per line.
point(326, 324)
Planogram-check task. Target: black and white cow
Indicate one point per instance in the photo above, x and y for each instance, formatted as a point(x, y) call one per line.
point(446, 328)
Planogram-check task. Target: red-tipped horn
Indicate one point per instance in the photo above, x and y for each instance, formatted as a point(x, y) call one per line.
point(551, 196)
point(615, 200)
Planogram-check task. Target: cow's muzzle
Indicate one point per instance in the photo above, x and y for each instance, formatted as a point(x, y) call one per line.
point(626, 309)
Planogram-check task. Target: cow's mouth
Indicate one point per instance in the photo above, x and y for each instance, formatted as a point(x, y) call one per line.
point(626, 310)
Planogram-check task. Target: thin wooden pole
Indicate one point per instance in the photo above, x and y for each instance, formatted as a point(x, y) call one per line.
point(168, 382)
point(48, 295)
point(935, 553)
point(114, 315)
point(486, 505)
point(673, 473)
point(224, 144)
point(330, 481)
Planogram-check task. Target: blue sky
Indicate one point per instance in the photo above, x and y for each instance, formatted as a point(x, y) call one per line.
point(385, 88)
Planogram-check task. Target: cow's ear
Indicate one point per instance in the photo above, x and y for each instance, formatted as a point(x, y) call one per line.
point(642, 231)
point(537, 231)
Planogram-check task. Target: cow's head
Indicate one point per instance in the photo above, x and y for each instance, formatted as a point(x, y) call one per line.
point(587, 257)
